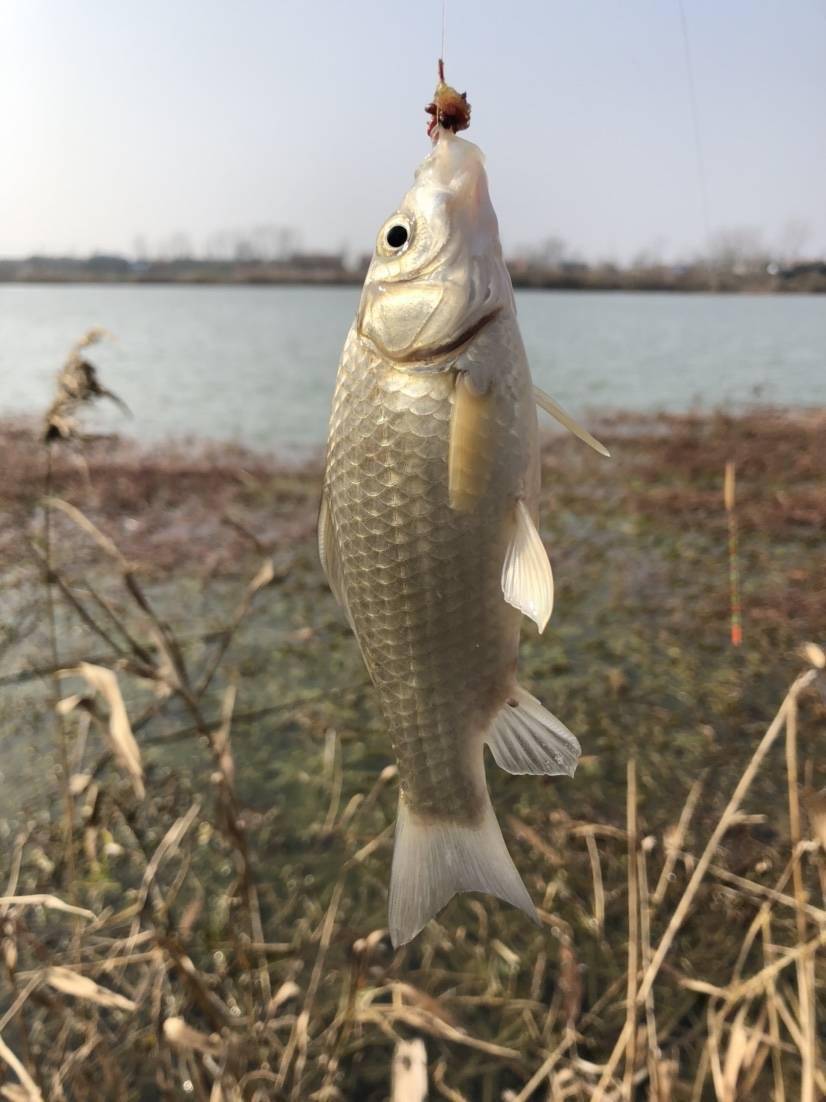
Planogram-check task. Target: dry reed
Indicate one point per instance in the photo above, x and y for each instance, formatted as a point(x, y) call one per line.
point(176, 980)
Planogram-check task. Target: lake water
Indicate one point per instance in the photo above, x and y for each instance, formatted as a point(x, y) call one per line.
point(257, 364)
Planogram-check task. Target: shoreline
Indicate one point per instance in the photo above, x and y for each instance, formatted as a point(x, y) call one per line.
point(170, 498)
point(728, 287)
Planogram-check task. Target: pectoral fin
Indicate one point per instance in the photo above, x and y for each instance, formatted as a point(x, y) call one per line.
point(527, 579)
point(328, 552)
point(471, 445)
point(558, 413)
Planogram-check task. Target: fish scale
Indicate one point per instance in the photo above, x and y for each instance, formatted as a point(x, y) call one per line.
point(423, 584)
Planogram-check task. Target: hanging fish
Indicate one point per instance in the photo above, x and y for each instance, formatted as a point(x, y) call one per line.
point(428, 525)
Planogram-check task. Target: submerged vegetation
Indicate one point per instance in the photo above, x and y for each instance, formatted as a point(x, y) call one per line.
point(195, 859)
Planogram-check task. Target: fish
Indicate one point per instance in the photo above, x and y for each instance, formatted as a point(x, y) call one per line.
point(428, 530)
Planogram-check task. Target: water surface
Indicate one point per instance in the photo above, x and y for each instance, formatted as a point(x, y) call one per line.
point(257, 364)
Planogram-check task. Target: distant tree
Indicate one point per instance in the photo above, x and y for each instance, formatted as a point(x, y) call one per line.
point(178, 246)
point(606, 264)
point(738, 249)
point(651, 256)
point(347, 255)
point(291, 244)
point(552, 252)
point(794, 236)
point(245, 250)
point(645, 259)
point(267, 242)
point(549, 252)
point(219, 245)
point(263, 242)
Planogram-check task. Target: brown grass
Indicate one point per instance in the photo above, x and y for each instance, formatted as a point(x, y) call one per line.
point(177, 961)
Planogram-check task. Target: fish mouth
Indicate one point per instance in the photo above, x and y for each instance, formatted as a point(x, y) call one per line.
point(428, 357)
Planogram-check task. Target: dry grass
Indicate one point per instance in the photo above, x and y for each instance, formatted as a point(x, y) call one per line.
point(160, 939)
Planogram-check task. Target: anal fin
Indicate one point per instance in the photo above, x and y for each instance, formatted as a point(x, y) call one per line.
point(527, 578)
point(559, 414)
point(526, 738)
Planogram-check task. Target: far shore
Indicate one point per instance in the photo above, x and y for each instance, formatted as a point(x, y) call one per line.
point(808, 278)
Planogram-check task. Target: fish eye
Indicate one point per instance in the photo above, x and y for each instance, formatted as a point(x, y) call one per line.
point(396, 236)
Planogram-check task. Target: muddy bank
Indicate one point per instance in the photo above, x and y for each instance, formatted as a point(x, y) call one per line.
point(638, 543)
point(637, 661)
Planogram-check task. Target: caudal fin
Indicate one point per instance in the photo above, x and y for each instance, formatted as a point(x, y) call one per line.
point(435, 858)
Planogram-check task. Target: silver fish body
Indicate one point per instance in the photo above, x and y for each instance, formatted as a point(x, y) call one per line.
point(427, 532)
point(423, 582)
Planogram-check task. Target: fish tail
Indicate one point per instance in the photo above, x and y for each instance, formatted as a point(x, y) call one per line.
point(436, 858)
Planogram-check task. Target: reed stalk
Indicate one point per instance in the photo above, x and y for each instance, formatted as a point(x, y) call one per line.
point(633, 933)
point(805, 965)
point(59, 720)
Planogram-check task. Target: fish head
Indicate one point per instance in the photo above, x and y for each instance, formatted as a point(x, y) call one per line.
point(437, 274)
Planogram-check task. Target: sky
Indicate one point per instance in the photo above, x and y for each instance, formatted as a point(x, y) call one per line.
point(124, 124)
